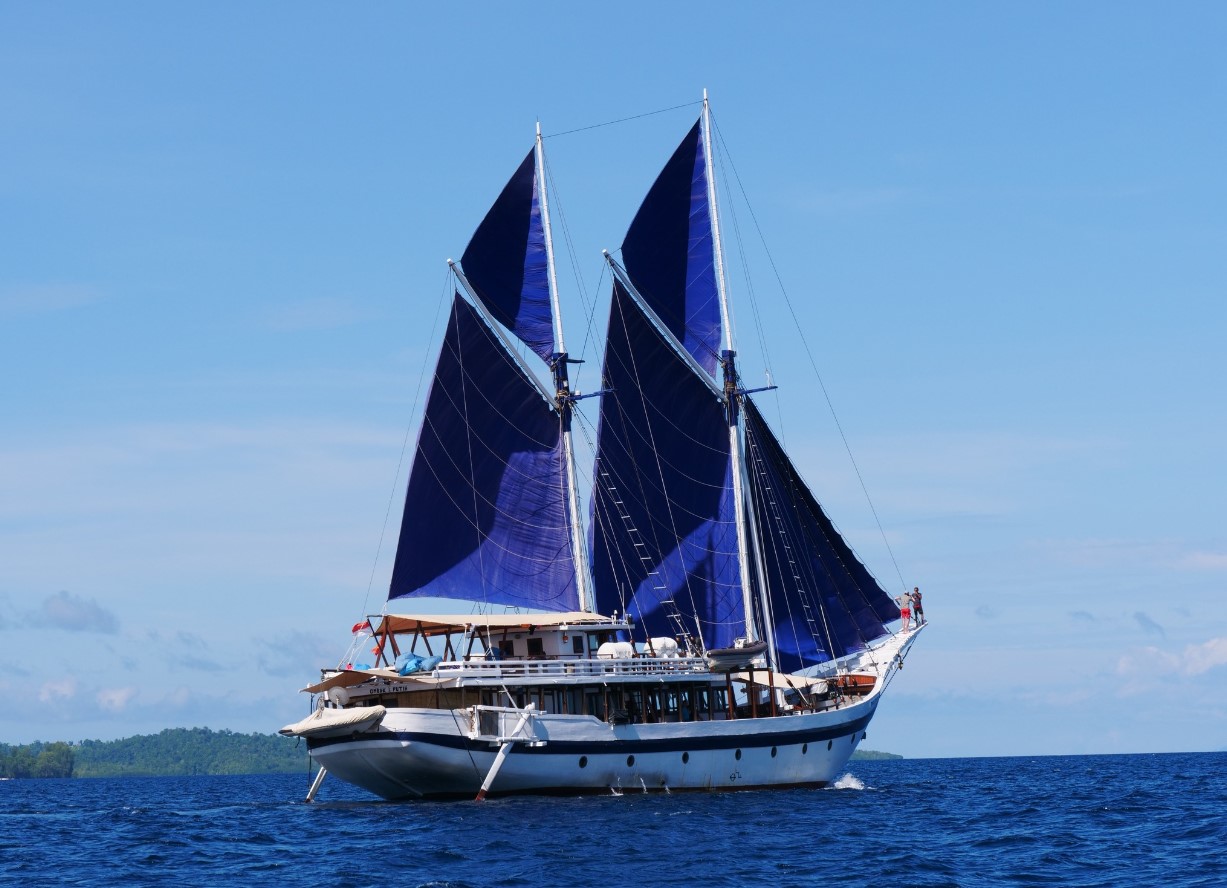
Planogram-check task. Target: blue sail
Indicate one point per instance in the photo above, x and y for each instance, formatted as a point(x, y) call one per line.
point(824, 602)
point(485, 515)
point(669, 250)
point(507, 264)
point(662, 503)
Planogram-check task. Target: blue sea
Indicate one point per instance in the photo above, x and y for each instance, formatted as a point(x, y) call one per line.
point(1136, 820)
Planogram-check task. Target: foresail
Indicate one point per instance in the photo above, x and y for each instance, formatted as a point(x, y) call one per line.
point(507, 264)
point(669, 250)
point(662, 503)
point(824, 603)
point(485, 515)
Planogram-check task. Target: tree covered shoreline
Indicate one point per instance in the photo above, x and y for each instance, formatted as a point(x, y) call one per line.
point(172, 752)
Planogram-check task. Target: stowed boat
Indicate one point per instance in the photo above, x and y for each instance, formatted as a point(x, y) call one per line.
point(717, 633)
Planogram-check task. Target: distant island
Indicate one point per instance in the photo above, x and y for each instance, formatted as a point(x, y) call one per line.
point(178, 752)
point(171, 753)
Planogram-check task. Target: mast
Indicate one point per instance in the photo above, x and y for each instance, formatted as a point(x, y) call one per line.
point(563, 396)
point(732, 395)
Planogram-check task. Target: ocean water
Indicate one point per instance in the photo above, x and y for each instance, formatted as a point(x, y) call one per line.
point(1136, 820)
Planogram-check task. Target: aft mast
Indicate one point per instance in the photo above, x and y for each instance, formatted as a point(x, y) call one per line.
point(732, 397)
point(564, 399)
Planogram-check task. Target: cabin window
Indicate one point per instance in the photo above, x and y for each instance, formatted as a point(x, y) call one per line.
point(508, 647)
point(536, 647)
point(577, 644)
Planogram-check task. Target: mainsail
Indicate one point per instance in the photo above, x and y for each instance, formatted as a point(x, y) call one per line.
point(664, 541)
point(486, 515)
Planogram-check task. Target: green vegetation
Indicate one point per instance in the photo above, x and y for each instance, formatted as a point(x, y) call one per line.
point(870, 755)
point(36, 760)
point(173, 752)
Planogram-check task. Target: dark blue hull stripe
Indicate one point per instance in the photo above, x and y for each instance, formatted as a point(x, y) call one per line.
point(599, 747)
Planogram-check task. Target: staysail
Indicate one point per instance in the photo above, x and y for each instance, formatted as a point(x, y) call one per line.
point(486, 516)
point(824, 604)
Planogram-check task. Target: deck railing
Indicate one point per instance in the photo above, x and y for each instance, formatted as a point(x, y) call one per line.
point(565, 668)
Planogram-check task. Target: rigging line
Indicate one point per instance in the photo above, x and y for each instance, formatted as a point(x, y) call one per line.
point(813, 364)
point(621, 120)
point(417, 397)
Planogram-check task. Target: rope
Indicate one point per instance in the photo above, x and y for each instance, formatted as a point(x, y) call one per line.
point(584, 129)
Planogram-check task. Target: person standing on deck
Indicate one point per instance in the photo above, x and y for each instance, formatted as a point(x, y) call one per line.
point(905, 609)
point(918, 611)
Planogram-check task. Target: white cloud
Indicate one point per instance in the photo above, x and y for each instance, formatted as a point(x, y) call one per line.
point(58, 689)
point(115, 699)
point(1195, 659)
point(1205, 656)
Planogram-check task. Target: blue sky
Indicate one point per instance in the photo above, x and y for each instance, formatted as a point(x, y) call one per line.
point(223, 234)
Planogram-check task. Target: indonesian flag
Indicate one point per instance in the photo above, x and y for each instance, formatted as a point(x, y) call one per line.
point(364, 626)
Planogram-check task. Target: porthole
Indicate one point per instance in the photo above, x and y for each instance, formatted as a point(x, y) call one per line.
point(583, 761)
point(804, 748)
point(685, 757)
point(830, 743)
point(739, 755)
point(630, 761)
point(773, 751)
point(864, 734)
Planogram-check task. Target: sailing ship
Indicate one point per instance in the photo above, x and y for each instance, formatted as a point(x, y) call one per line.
point(710, 630)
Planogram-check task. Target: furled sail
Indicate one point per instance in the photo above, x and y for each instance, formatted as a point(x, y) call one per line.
point(485, 513)
point(669, 249)
point(507, 264)
point(664, 542)
point(824, 603)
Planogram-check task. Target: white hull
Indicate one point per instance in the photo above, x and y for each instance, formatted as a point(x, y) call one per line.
point(424, 753)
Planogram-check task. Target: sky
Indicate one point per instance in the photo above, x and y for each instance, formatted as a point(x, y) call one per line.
point(997, 240)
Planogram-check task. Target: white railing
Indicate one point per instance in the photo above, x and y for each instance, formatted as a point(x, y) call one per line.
point(520, 669)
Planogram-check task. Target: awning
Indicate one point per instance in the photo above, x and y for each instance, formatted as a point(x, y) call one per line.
point(447, 624)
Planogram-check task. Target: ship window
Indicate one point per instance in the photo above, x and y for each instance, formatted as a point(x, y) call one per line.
point(508, 647)
point(577, 644)
point(630, 761)
point(830, 743)
point(804, 748)
point(536, 647)
point(685, 757)
point(773, 751)
point(739, 755)
point(583, 761)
